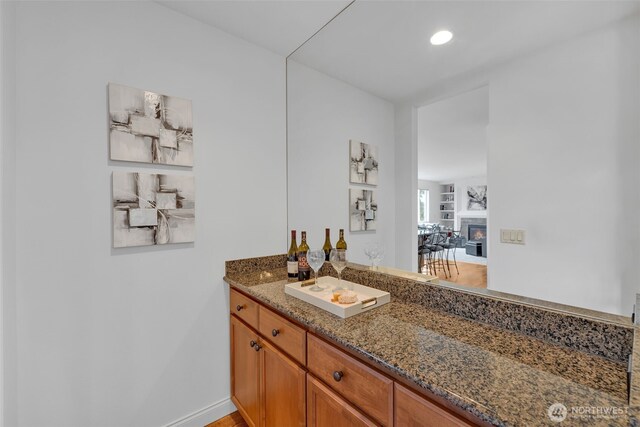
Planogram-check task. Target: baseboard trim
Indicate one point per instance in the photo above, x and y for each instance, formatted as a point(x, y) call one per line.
point(206, 415)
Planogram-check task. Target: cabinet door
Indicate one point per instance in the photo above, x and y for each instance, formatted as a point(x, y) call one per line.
point(412, 410)
point(283, 389)
point(245, 368)
point(326, 409)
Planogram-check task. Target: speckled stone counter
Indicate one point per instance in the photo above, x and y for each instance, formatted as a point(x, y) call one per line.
point(501, 376)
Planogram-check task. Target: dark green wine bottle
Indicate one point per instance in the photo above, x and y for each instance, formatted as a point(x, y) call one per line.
point(304, 270)
point(341, 242)
point(327, 244)
point(292, 258)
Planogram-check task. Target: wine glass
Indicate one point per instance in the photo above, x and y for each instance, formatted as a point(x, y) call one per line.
point(315, 260)
point(375, 252)
point(338, 259)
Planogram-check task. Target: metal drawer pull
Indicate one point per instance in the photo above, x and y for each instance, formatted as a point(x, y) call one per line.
point(337, 375)
point(257, 347)
point(252, 343)
point(275, 332)
point(239, 307)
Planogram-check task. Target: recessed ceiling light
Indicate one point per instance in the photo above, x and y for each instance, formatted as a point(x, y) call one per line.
point(441, 37)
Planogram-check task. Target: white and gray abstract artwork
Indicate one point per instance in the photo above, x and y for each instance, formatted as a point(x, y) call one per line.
point(149, 127)
point(363, 163)
point(363, 210)
point(152, 209)
point(477, 198)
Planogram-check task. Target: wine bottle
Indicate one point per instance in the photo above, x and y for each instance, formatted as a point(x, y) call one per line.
point(327, 244)
point(304, 270)
point(341, 243)
point(292, 258)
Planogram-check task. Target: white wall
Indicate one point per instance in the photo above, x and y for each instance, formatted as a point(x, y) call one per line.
point(8, 355)
point(563, 165)
point(406, 186)
point(324, 114)
point(137, 336)
point(434, 198)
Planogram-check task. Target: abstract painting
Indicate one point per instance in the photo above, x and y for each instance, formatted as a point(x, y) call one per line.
point(363, 210)
point(363, 163)
point(148, 127)
point(152, 209)
point(477, 198)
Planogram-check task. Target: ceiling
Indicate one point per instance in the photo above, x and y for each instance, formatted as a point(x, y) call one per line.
point(280, 26)
point(452, 141)
point(383, 47)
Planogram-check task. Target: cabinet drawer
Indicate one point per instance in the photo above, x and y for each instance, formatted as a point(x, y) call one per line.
point(412, 410)
point(371, 391)
point(244, 307)
point(284, 334)
point(326, 408)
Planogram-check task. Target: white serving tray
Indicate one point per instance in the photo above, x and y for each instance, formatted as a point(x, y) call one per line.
point(368, 298)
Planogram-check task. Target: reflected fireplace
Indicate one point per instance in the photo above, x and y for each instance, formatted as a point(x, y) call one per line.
point(476, 232)
point(476, 240)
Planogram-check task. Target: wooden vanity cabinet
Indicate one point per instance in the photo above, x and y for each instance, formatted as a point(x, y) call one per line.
point(270, 385)
point(267, 387)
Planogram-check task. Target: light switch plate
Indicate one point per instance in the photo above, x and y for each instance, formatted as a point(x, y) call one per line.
point(516, 237)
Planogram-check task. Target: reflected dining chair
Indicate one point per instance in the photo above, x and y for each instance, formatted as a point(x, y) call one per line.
point(452, 244)
point(424, 253)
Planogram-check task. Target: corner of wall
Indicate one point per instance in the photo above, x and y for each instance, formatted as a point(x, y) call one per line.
point(8, 356)
point(406, 165)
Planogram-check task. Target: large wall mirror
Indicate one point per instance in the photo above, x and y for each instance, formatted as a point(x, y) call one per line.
point(519, 137)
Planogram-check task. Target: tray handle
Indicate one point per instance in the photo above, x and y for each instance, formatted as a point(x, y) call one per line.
point(369, 302)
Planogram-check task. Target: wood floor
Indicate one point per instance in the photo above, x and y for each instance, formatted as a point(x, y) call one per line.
point(232, 420)
point(472, 275)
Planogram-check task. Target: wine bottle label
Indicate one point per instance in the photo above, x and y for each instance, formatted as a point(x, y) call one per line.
point(292, 267)
point(303, 265)
point(304, 269)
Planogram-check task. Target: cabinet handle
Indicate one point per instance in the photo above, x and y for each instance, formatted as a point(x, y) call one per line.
point(239, 307)
point(337, 375)
point(275, 332)
point(252, 343)
point(257, 347)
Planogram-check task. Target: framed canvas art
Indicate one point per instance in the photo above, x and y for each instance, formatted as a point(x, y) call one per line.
point(363, 210)
point(363, 163)
point(152, 209)
point(149, 127)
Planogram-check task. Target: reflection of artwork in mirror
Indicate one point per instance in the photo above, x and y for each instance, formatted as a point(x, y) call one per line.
point(477, 198)
point(363, 210)
point(152, 209)
point(150, 128)
point(363, 163)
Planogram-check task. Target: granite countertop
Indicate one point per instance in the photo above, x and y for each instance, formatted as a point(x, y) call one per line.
point(502, 377)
